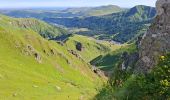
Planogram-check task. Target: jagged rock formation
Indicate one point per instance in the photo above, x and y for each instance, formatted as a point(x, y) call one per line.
point(156, 41)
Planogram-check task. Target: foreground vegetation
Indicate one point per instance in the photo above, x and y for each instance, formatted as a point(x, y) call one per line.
point(39, 61)
point(127, 85)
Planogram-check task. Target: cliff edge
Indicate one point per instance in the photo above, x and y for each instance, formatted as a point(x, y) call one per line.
point(156, 41)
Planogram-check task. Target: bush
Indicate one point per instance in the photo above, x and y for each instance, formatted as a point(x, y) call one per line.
point(124, 85)
point(152, 86)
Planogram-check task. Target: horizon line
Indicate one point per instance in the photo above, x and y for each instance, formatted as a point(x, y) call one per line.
point(34, 7)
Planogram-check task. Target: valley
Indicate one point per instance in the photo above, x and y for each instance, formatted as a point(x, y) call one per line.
point(48, 67)
point(85, 53)
point(121, 25)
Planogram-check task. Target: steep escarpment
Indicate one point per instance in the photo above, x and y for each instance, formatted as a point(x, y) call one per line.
point(156, 41)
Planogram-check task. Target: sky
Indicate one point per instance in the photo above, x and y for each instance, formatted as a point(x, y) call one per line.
point(72, 3)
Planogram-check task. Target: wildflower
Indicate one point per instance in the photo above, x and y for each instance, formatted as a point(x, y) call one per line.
point(164, 82)
point(162, 57)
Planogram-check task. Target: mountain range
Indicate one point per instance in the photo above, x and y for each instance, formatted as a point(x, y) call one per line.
point(87, 53)
point(65, 12)
point(106, 22)
point(124, 26)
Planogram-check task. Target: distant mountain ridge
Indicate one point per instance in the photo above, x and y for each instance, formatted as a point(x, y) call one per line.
point(69, 12)
point(125, 25)
point(95, 11)
point(44, 29)
point(106, 22)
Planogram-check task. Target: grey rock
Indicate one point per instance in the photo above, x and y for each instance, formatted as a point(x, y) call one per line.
point(156, 41)
point(159, 5)
point(129, 60)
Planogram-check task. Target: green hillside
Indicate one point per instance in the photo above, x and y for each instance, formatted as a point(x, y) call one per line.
point(99, 56)
point(91, 48)
point(95, 11)
point(33, 68)
point(44, 29)
point(42, 13)
point(122, 26)
point(110, 60)
point(105, 22)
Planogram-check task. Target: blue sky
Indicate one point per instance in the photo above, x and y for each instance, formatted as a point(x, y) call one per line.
point(72, 3)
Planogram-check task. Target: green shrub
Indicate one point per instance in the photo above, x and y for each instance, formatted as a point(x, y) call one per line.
point(152, 86)
point(125, 85)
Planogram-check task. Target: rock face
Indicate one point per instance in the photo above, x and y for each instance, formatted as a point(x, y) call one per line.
point(159, 6)
point(129, 60)
point(156, 41)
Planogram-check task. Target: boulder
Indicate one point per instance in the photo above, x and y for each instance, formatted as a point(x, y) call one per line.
point(79, 46)
point(37, 57)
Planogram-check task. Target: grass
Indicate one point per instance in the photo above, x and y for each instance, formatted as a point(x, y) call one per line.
point(60, 75)
point(108, 61)
point(92, 48)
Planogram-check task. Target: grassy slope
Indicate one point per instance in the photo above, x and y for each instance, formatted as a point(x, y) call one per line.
point(108, 61)
point(44, 29)
point(104, 10)
point(22, 77)
point(92, 47)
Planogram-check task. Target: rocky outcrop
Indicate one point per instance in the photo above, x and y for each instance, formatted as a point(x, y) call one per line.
point(98, 71)
point(156, 41)
point(79, 46)
point(29, 50)
point(160, 6)
point(129, 60)
point(74, 53)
